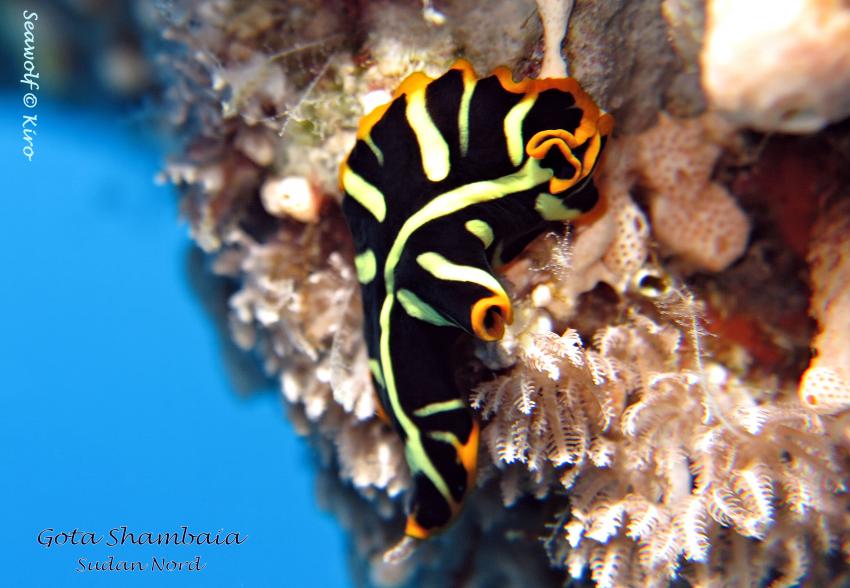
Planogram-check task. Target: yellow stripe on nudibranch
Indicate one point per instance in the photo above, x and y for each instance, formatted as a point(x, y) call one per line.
point(415, 454)
point(445, 437)
point(432, 145)
point(463, 118)
point(379, 155)
point(552, 208)
point(484, 310)
point(480, 229)
point(443, 269)
point(411, 83)
point(366, 266)
point(470, 79)
point(375, 368)
point(365, 193)
point(418, 309)
point(439, 407)
point(513, 128)
point(418, 461)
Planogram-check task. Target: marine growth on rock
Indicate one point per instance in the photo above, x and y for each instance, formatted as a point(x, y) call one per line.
point(668, 396)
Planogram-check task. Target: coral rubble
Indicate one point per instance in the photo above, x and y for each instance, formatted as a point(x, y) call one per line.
point(650, 414)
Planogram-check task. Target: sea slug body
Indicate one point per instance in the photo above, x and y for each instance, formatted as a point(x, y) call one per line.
point(451, 177)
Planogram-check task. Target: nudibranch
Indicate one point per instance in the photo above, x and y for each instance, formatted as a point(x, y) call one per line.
point(451, 177)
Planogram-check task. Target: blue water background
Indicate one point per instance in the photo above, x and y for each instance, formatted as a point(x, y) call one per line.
point(116, 406)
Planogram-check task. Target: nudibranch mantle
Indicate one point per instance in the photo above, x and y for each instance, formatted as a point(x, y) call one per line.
point(452, 176)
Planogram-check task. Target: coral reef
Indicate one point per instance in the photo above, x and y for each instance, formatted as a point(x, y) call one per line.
point(654, 402)
point(825, 387)
point(554, 15)
point(691, 215)
point(778, 66)
point(634, 77)
point(666, 457)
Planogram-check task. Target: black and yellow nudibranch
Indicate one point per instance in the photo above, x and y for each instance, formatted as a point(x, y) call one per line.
point(452, 175)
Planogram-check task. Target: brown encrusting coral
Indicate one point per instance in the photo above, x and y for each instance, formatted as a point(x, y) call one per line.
point(655, 400)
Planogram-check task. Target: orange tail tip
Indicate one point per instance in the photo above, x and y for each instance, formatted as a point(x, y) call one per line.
point(414, 529)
